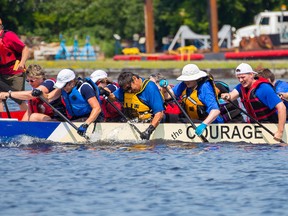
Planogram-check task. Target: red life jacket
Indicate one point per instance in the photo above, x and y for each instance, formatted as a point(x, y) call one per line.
point(108, 110)
point(255, 107)
point(65, 105)
point(7, 56)
point(172, 108)
point(38, 106)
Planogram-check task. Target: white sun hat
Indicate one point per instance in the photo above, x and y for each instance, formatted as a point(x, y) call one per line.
point(97, 75)
point(63, 77)
point(191, 72)
point(244, 68)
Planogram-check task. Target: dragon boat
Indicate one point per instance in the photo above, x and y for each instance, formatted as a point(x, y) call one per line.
point(12, 128)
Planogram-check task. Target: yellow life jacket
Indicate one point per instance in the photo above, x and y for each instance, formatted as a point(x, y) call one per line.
point(134, 107)
point(192, 104)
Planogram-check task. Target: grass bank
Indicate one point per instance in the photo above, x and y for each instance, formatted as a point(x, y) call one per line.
point(109, 63)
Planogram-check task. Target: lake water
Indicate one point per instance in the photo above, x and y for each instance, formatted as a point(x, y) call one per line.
point(155, 178)
point(152, 179)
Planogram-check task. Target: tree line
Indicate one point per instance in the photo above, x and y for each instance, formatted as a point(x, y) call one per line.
point(100, 19)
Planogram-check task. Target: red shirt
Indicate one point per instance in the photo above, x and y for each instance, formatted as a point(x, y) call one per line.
point(12, 41)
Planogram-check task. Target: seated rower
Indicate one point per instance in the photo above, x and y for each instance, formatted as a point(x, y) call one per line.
point(280, 86)
point(141, 100)
point(101, 79)
point(259, 98)
point(81, 98)
point(199, 96)
point(37, 110)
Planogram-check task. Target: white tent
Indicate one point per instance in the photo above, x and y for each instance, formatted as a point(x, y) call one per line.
point(185, 33)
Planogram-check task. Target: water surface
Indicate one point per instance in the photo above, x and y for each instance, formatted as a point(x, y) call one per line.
point(155, 178)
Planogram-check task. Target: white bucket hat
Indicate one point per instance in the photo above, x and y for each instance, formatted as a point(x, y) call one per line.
point(191, 72)
point(244, 68)
point(98, 74)
point(63, 77)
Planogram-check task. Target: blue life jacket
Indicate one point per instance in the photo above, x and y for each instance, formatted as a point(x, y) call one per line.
point(76, 105)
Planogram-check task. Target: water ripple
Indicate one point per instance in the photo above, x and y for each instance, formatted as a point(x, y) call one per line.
point(44, 178)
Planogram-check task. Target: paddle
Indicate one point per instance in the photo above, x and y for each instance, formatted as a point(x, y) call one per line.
point(255, 120)
point(6, 108)
point(184, 112)
point(122, 114)
point(61, 115)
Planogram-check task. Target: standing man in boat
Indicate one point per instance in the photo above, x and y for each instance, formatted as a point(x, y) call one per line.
point(37, 110)
point(199, 96)
point(81, 98)
point(259, 98)
point(141, 100)
point(13, 56)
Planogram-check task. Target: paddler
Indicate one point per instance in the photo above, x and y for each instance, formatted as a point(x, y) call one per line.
point(37, 110)
point(141, 100)
point(259, 98)
point(198, 94)
point(81, 98)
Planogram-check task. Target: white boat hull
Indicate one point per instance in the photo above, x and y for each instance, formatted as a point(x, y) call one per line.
point(123, 132)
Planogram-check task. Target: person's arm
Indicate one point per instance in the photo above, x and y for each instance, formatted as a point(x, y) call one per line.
point(213, 114)
point(96, 110)
point(166, 95)
point(281, 108)
point(53, 95)
point(21, 95)
point(24, 58)
point(176, 91)
point(209, 99)
point(233, 95)
point(116, 95)
point(283, 95)
point(157, 119)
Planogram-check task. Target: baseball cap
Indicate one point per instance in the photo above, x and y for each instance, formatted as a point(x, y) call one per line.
point(191, 72)
point(98, 74)
point(244, 68)
point(63, 77)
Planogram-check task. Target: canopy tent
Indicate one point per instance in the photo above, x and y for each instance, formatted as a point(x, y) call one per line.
point(185, 33)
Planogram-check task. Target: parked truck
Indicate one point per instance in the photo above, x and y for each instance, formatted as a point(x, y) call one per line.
point(271, 23)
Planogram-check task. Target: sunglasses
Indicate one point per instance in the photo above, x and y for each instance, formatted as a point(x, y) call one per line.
point(30, 81)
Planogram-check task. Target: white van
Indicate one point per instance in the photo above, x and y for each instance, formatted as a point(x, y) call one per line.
point(270, 23)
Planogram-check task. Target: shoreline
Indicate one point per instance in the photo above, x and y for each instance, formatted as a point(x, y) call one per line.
point(171, 69)
point(171, 73)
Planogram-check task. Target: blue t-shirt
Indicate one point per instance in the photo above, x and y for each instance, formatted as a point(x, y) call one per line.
point(87, 91)
point(151, 96)
point(49, 84)
point(205, 94)
point(265, 93)
point(281, 87)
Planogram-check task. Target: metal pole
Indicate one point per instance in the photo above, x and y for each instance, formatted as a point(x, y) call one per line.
point(149, 26)
point(213, 25)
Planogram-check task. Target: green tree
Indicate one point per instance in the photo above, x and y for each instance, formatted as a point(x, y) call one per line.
point(100, 19)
